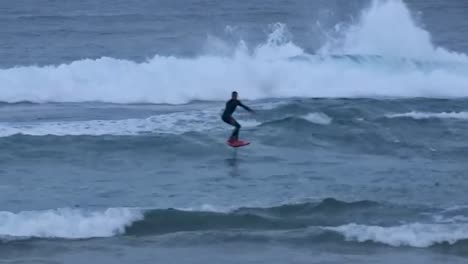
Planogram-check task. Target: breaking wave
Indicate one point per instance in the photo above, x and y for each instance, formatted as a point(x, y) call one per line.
point(67, 223)
point(278, 68)
point(328, 220)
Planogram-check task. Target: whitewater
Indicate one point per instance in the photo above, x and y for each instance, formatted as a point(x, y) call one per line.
point(362, 61)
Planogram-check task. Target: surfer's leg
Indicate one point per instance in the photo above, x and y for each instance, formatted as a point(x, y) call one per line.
point(235, 133)
point(226, 119)
point(230, 120)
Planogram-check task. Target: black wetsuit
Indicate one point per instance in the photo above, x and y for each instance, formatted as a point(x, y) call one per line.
point(227, 116)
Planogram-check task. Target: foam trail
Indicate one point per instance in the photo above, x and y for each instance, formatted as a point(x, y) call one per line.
point(171, 123)
point(414, 235)
point(67, 223)
point(428, 115)
point(271, 70)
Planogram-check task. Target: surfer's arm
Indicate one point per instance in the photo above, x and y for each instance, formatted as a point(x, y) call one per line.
point(246, 107)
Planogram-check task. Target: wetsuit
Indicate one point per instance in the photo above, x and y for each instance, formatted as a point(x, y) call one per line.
point(227, 116)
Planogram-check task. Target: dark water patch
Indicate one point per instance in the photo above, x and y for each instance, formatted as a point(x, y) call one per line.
point(300, 237)
point(458, 248)
point(188, 143)
point(171, 220)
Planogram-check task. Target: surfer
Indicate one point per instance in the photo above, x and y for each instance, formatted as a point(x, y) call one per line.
point(227, 115)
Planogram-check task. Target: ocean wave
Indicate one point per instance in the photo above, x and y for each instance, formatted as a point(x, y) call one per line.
point(413, 235)
point(329, 212)
point(268, 71)
point(76, 223)
point(429, 115)
point(330, 219)
point(67, 223)
point(370, 35)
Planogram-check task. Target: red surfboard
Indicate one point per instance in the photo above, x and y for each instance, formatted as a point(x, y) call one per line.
point(238, 143)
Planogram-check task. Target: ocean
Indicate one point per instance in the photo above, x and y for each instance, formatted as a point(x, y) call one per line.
point(112, 147)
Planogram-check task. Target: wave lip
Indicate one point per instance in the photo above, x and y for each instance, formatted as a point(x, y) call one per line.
point(67, 223)
point(429, 115)
point(413, 235)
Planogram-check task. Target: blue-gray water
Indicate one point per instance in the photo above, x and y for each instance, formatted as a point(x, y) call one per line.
point(112, 149)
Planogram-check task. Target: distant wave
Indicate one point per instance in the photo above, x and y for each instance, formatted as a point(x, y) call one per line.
point(416, 68)
point(429, 115)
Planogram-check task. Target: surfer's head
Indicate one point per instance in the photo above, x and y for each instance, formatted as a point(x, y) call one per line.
point(234, 95)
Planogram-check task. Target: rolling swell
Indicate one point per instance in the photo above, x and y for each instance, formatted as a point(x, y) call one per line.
point(329, 212)
point(78, 222)
point(329, 221)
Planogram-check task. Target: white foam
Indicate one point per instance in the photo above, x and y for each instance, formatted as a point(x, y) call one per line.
point(428, 115)
point(67, 223)
point(248, 123)
point(318, 118)
point(208, 208)
point(414, 235)
point(371, 35)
